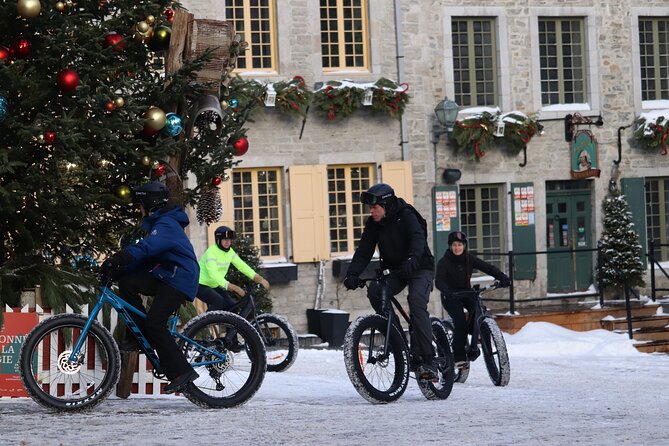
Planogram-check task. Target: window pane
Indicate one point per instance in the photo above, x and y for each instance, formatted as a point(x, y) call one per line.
point(482, 221)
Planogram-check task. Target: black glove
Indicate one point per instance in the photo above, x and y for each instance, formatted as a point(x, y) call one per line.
point(505, 282)
point(409, 266)
point(351, 282)
point(113, 266)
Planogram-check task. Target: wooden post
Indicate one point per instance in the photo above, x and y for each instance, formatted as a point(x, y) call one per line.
point(129, 362)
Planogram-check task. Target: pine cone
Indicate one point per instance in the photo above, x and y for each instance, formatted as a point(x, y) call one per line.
point(209, 207)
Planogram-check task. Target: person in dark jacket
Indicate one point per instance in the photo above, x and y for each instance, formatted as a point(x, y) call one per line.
point(454, 272)
point(394, 226)
point(163, 264)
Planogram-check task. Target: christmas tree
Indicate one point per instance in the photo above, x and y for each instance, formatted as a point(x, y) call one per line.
point(621, 262)
point(88, 109)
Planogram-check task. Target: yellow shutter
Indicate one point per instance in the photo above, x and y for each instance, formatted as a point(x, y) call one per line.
point(399, 176)
point(309, 213)
point(228, 217)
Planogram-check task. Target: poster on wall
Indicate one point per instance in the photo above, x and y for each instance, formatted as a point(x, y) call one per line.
point(12, 334)
point(523, 202)
point(446, 208)
point(584, 155)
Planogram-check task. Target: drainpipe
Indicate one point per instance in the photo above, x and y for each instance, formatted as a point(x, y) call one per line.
point(399, 46)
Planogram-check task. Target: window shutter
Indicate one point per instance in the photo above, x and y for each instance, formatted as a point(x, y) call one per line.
point(634, 190)
point(309, 213)
point(399, 176)
point(523, 231)
point(228, 217)
point(445, 216)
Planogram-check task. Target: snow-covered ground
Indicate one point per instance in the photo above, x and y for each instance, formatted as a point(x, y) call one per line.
point(566, 388)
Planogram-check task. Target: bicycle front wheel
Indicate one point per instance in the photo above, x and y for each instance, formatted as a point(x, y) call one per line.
point(440, 388)
point(228, 354)
point(494, 352)
point(55, 382)
point(378, 376)
point(281, 343)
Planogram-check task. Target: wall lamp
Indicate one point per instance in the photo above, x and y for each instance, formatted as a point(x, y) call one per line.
point(447, 114)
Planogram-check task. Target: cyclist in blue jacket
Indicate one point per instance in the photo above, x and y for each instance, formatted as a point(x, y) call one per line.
point(163, 264)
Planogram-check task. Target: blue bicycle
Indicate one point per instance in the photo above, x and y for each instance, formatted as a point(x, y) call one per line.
point(70, 362)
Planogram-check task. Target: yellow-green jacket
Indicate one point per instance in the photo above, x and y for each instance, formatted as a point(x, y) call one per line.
point(214, 265)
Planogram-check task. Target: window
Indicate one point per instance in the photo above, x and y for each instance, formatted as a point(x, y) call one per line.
point(562, 60)
point(474, 61)
point(654, 57)
point(346, 214)
point(344, 35)
point(657, 214)
point(254, 21)
point(482, 220)
point(256, 195)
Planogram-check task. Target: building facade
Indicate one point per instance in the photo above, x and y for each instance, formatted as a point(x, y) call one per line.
point(584, 70)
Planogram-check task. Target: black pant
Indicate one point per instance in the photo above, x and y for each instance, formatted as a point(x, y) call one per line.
point(217, 298)
point(166, 301)
point(455, 307)
point(420, 285)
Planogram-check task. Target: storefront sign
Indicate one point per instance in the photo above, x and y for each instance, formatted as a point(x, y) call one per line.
point(12, 334)
point(584, 155)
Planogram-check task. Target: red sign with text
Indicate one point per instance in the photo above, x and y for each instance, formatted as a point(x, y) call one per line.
point(12, 334)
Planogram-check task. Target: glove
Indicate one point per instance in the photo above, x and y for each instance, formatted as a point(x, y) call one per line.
point(351, 282)
point(261, 280)
point(113, 266)
point(409, 266)
point(235, 289)
point(505, 282)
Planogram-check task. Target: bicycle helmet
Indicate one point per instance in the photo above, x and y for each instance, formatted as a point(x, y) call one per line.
point(221, 233)
point(152, 196)
point(458, 236)
point(381, 194)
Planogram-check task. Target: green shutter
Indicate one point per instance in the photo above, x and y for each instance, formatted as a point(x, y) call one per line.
point(445, 216)
point(523, 230)
point(634, 190)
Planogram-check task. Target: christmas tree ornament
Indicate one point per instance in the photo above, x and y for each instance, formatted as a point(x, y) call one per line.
point(233, 103)
point(146, 160)
point(161, 38)
point(150, 19)
point(154, 119)
point(209, 207)
point(216, 181)
point(241, 146)
point(4, 55)
point(110, 106)
point(119, 102)
point(169, 14)
point(160, 170)
point(143, 32)
point(21, 49)
point(49, 137)
point(28, 9)
point(173, 124)
point(114, 40)
point(67, 80)
point(124, 192)
point(60, 7)
point(224, 104)
point(4, 105)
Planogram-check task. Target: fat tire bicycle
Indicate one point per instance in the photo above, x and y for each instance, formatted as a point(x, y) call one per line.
point(70, 362)
point(278, 335)
point(487, 334)
point(378, 359)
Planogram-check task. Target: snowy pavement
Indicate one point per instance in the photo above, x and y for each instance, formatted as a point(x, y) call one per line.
point(566, 388)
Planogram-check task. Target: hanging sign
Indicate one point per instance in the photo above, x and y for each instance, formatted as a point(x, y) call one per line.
point(584, 155)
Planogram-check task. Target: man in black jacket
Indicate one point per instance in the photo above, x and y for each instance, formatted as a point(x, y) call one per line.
point(398, 230)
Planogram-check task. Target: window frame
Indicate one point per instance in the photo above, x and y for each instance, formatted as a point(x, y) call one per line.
point(636, 14)
point(341, 32)
point(247, 37)
point(659, 186)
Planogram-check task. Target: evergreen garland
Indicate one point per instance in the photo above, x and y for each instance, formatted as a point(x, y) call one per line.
point(621, 257)
point(246, 251)
point(389, 97)
point(338, 99)
point(518, 131)
point(473, 135)
point(292, 97)
point(652, 132)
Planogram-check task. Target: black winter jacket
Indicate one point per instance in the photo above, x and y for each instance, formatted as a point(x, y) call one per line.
point(454, 272)
point(399, 235)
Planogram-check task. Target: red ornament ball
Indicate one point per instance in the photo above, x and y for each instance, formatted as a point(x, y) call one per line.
point(67, 80)
point(114, 40)
point(21, 49)
point(216, 181)
point(4, 55)
point(110, 106)
point(241, 146)
point(49, 137)
point(160, 170)
point(169, 14)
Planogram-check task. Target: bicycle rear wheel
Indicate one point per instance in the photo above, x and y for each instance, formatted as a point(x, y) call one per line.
point(228, 354)
point(378, 377)
point(281, 343)
point(69, 386)
point(440, 388)
point(460, 375)
point(494, 352)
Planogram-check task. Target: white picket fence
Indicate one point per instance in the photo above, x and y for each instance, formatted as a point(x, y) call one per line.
point(143, 381)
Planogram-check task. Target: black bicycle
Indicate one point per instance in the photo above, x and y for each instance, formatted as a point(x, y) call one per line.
point(377, 354)
point(484, 332)
point(70, 362)
point(280, 338)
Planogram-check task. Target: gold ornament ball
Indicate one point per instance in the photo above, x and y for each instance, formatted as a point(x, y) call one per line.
point(60, 6)
point(150, 19)
point(146, 160)
point(143, 27)
point(224, 104)
point(123, 192)
point(28, 8)
point(155, 119)
point(119, 102)
point(143, 32)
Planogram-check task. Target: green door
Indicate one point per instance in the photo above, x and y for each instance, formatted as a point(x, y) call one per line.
point(568, 227)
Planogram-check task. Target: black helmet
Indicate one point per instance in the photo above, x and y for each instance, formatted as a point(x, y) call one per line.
point(223, 232)
point(380, 194)
point(457, 236)
point(152, 196)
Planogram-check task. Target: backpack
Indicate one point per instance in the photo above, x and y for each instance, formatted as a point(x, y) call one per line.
point(421, 220)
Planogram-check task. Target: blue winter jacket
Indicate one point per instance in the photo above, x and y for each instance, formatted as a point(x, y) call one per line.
point(166, 251)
